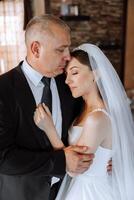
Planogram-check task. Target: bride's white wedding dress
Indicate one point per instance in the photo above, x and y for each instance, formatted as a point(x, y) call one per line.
point(95, 183)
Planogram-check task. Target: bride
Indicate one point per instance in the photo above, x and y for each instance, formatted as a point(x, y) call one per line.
point(105, 124)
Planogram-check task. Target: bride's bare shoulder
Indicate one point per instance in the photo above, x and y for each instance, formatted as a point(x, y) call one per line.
point(98, 117)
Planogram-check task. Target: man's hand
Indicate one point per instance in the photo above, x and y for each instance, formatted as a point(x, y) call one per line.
point(77, 160)
point(109, 167)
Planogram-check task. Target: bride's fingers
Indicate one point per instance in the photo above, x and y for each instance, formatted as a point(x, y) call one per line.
point(36, 117)
point(39, 111)
point(46, 109)
point(42, 111)
point(35, 114)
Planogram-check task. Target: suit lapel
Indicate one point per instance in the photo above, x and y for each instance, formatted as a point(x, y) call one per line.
point(23, 92)
point(27, 103)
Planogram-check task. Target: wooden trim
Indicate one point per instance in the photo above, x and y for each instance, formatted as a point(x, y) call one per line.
point(124, 30)
point(129, 55)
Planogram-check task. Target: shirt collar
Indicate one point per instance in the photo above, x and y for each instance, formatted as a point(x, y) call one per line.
point(34, 76)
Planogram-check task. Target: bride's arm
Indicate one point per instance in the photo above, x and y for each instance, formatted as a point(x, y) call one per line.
point(43, 119)
point(95, 131)
point(96, 128)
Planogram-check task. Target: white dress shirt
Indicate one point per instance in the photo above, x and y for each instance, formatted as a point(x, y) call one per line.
point(34, 80)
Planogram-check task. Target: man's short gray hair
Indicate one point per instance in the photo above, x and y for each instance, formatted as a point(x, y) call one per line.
point(43, 23)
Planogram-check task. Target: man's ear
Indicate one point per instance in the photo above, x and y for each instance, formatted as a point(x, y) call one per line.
point(35, 49)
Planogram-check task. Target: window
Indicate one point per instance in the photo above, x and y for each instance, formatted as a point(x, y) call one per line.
point(12, 45)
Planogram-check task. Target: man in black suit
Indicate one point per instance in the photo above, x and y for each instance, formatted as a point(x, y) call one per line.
point(27, 159)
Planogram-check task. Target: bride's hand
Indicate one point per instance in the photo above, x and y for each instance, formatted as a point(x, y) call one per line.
point(109, 166)
point(44, 121)
point(43, 118)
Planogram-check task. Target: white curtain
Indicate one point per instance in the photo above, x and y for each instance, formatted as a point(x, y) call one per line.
point(12, 45)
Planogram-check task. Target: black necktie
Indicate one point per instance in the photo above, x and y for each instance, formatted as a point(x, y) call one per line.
point(47, 95)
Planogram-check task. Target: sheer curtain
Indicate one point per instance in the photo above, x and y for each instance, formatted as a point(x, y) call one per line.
point(12, 45)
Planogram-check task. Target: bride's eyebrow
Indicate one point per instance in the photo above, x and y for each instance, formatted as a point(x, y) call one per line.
point(73, 67)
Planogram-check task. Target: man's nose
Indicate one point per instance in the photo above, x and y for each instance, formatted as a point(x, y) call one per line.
point(67, 56)
point(67, 81)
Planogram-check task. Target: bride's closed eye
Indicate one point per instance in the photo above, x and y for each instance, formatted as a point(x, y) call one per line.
point(74, 72)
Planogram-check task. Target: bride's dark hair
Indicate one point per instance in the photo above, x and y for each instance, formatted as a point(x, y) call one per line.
point(82, 57)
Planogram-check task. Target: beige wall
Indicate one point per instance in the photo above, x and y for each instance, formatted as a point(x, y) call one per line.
point(39, 7)
point(129, 57)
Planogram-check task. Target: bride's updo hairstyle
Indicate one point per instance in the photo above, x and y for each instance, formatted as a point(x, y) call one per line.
point(82, 57)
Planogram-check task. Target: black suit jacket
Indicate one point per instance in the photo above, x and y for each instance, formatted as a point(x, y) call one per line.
point(27, 159)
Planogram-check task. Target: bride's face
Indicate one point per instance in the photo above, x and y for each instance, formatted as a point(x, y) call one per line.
point(79, 78)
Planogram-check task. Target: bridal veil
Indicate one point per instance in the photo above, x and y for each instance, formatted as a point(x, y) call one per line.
point(117, 105)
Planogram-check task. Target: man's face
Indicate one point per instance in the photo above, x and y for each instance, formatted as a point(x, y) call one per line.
point(54, 52)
